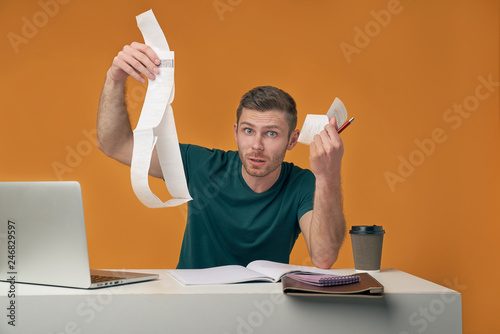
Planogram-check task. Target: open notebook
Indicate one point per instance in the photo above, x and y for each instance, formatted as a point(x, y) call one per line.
point(259, 270)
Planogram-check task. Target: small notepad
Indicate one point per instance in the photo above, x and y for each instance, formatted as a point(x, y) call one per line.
point(314, 124)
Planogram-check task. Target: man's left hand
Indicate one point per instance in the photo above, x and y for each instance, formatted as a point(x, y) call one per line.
point(326, 151)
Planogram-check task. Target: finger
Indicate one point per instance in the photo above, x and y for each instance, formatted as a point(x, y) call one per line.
point(313, 152)
point(149, 53)
point(130, 66)
point(332, 131)
point(318, 142)
point(331, 136)
point(122, 65)
point(136, 63)
point(312, 148)
point(141, 57)
point(146, 49)
point(331, 139)
point(333, 121)
point(332, 125)
point(140, 61)
point(326, 141)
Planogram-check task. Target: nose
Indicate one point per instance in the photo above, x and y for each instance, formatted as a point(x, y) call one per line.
point(257, 143)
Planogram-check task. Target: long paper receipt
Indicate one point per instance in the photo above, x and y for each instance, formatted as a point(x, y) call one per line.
point(156, 126)
point(314, 124)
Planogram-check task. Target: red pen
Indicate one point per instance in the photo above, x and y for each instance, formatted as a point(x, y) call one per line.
point(345, 125)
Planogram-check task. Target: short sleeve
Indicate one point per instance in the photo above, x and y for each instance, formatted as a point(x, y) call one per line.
point(305, 187)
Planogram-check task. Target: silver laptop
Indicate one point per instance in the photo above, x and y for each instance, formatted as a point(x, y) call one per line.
point(43, 238)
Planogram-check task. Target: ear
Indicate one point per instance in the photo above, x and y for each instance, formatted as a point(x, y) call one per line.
point(236, 132)
point(294, 137)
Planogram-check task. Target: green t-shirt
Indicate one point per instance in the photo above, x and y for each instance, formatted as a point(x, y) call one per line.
point(228, 223)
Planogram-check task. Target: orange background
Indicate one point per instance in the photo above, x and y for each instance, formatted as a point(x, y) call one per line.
point(399, 79)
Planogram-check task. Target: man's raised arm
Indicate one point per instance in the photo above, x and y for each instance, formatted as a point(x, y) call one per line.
point(324, 227)
point(114, 132)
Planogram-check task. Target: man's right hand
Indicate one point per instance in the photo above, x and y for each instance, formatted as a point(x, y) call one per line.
point(135, 59)
point(114, 131)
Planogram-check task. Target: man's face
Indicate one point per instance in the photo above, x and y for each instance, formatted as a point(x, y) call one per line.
point(262, 138)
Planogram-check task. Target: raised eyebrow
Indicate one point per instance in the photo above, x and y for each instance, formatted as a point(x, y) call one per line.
point(271, 127)
point(246, 123)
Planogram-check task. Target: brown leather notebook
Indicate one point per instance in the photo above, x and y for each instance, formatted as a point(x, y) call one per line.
point(366, 287)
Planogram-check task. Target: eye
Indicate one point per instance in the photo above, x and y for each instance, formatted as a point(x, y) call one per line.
point(272, 134)
point(247, 131)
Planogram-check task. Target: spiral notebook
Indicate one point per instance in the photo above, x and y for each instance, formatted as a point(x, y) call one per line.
point(367, 286)
point(324, 280)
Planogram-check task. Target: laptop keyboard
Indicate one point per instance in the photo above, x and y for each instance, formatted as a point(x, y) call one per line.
point(100, 278)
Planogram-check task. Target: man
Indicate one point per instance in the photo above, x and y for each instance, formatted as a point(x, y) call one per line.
point(248, 205)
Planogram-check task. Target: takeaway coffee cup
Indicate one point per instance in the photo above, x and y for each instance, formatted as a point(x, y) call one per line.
point(367, 247)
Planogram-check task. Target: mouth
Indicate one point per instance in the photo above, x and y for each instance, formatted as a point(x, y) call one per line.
point(256, 161)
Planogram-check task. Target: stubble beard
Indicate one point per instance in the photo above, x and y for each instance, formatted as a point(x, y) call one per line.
point(271, 165)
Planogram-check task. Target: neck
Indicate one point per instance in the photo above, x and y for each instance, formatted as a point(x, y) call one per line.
point(260, 184)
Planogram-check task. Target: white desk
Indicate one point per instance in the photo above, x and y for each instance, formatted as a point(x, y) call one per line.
point(411, 305)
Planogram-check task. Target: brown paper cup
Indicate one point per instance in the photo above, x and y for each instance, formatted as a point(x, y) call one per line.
point(367, 244)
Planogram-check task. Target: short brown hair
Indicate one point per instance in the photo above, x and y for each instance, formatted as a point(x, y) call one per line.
point(266, 98)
